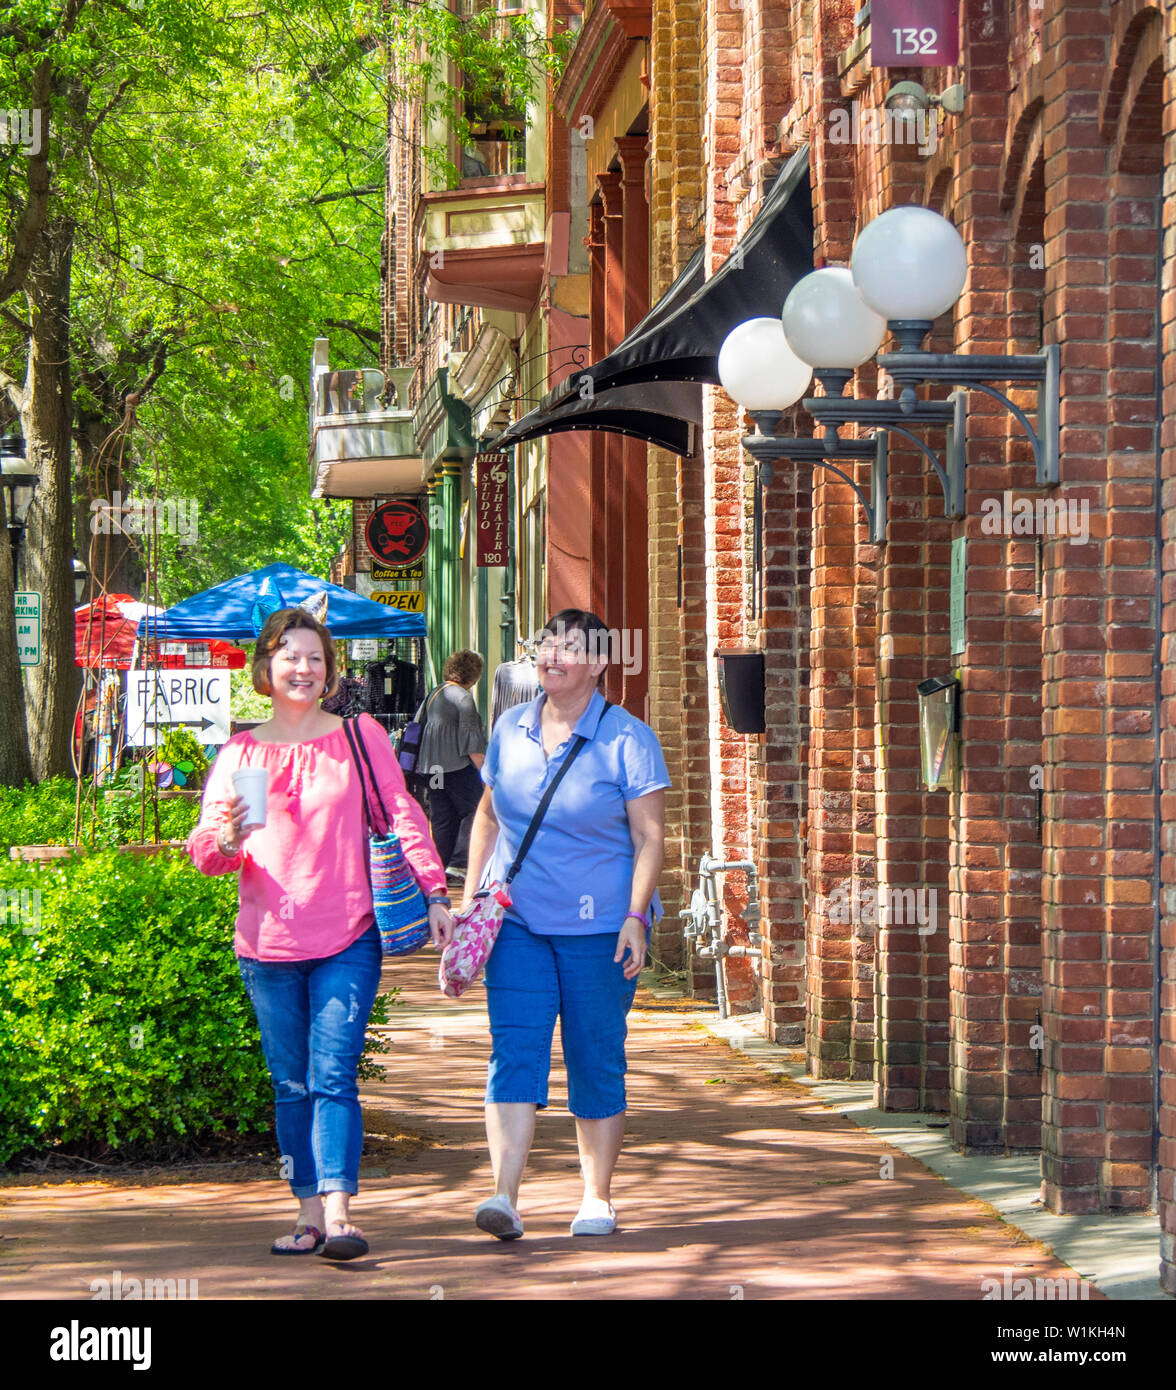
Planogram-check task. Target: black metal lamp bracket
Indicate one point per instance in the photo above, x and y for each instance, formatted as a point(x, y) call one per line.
point(768, 448)
point(975, 373)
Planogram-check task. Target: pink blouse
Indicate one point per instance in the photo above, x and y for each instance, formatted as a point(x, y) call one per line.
point(305, 891)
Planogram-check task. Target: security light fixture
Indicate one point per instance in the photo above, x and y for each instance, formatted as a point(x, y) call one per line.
point(909, 98)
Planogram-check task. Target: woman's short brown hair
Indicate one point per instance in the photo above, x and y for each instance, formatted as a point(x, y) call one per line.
point(270, 639)
point(463, 667)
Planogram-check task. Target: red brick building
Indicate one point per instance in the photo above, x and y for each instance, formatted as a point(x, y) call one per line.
point(1039, 1011)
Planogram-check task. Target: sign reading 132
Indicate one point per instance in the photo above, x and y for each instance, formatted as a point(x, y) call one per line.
point(914, 33)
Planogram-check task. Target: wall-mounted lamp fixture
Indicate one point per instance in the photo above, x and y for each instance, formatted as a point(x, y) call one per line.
point(912, 97)
point(907, 268)
point(938, 723)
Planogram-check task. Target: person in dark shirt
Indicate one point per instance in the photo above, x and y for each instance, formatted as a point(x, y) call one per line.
point(453, 743)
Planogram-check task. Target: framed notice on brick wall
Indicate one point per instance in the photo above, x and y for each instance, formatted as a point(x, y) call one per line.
point(491, 523)
point(914, 33)
point(957, 604)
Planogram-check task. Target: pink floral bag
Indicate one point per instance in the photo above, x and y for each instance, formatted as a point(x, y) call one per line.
point(476, 927)
point(476, 931)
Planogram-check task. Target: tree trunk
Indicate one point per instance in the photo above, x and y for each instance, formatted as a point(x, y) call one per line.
point(52, 688)
point(114, 566)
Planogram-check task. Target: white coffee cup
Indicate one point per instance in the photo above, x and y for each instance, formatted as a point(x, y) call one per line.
point(253, 784)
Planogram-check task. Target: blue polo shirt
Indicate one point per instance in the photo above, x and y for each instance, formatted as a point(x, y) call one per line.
point(578, 873)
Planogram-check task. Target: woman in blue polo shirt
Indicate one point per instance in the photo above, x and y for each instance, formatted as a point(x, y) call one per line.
point(575, 939)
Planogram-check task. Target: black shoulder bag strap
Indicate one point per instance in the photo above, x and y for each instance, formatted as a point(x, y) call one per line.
point(545, 800)
point(354, 737)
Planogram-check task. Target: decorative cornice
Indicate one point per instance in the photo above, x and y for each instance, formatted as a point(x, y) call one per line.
point(598, 57)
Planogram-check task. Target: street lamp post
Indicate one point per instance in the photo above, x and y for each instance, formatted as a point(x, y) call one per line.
point(19, 484)
point(80, 575)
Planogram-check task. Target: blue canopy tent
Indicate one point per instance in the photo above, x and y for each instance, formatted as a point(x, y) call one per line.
point(227, 610)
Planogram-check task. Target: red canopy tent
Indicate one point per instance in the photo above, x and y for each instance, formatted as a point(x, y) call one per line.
point(104, 636)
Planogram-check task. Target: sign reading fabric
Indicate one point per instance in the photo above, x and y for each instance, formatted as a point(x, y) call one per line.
point(397, 534)
point(163, 700)
point(491, 479)
point(914, 33)
point(28, 628)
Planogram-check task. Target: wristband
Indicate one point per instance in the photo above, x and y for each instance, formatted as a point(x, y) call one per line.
point(641, 917)
point(442, 898)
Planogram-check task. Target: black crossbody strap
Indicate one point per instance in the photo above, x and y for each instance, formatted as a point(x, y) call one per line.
point(354, 737)
point(422, 714)
point(545, 800)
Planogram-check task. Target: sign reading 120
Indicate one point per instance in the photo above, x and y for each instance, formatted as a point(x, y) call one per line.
point(914, 33)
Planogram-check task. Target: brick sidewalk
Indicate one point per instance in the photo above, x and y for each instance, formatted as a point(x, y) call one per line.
point(731, 1185)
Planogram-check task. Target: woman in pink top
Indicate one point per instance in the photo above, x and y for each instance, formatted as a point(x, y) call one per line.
point(306, 940)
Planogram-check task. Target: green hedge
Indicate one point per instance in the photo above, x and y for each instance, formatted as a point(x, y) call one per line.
point(44, 815)
point(123, 1019)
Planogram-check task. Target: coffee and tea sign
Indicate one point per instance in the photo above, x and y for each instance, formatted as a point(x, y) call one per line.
point(397, 536)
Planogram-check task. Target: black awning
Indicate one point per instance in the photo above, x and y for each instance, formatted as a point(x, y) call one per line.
point(669, 415)
point(679, 339)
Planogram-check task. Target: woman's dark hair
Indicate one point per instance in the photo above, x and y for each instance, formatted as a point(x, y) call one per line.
point(597, 635)
point(271, 637)
point(463, 667)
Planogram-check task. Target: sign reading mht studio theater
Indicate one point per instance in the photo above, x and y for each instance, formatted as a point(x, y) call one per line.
point(491, 479)
point(914, 33)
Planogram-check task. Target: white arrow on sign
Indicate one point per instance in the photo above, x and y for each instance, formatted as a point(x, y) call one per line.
point(162, 700)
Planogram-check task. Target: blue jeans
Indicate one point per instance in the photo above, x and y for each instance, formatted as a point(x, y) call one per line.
point(530, 981)
point(313, 1018)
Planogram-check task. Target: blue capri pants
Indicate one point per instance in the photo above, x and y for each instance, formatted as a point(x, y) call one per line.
point(532, 980)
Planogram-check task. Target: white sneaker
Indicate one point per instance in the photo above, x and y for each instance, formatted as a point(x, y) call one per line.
point(595, 1218)
point(499, 1218)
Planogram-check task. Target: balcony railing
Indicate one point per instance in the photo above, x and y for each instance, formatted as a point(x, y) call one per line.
point(361, 436)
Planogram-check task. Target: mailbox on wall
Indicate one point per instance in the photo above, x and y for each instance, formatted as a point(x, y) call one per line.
point(938, 722)
point(741, 688)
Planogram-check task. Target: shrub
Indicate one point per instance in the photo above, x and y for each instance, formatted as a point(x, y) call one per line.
point(43, 814)
point(123, 1019)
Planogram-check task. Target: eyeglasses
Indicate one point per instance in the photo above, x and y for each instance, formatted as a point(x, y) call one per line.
point(549, 646)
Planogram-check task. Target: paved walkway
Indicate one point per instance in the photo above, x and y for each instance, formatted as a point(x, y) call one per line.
point(733, 1184)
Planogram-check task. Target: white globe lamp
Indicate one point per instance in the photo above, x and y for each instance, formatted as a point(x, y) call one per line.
point(758, 370)
point(910, 266)
point(828, 324)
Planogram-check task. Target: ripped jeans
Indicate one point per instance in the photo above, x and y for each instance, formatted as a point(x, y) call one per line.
point(313, 1016)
